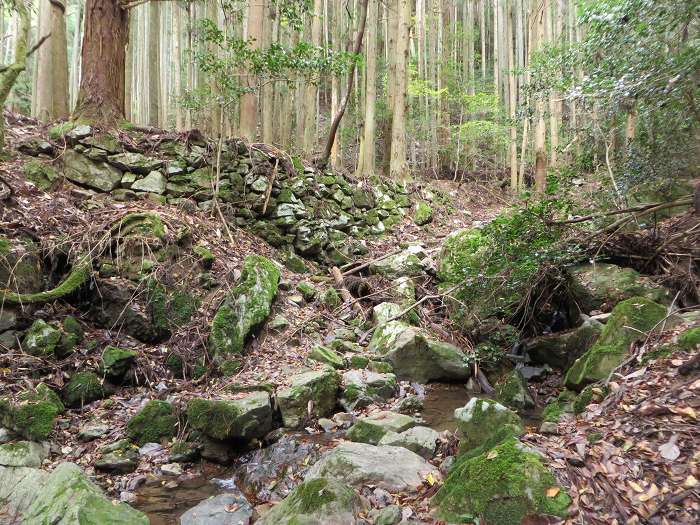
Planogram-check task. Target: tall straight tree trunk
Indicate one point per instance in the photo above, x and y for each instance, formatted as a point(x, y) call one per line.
point(482, 26)
point(52, 62)
point(154, 64)
point(369, 132)
point(471, 71)
point(391, 36)
point(177, 66)
point(496, 62)
point(101, 95)
point(512, 97)
point(541, 129)
point(554, 105)
point(398, 168)
point(249, 101)
point(268, 90)
point(9, 74)
point(311, 90)
point(74, 80)
point(335, 82)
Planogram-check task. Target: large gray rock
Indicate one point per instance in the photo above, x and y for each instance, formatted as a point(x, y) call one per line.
point(421, 440)
point(561, 349)
point(373, 428)
point(416, 357)
point(96, 175)
point(390, 468)
point(361, 388)
point(243, 419)
point(63, 497)
point(23, 454)
point(315, 391)
point(513, 392)
point(224, 509)
point(318, 501)
point(154, 182)
point(409, 262)
point(135, 162)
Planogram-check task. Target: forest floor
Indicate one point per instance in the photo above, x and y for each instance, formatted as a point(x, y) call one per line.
point(610, 458)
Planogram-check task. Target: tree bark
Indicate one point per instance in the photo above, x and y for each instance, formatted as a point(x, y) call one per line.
point(541, 129)
point(101, 95)
point(51, 100)
point(369, 131)
point(9, 75)
point(154, 38)
point(398, 167)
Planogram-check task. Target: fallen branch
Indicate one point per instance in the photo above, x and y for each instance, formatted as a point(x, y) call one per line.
point(366, 264)
point(640, 207)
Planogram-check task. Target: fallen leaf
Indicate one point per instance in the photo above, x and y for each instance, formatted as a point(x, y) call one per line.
point(690, 482)
point(636, 486)
point(651, 493)
point(430, 479)
point(552, 492)
point(492, 455)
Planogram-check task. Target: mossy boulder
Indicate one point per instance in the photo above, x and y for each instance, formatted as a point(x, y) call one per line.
point(361, 388)
point(154, 423)
point(317, 389)
point(246, 307)
point(33, 420)
point(630, 320)
point(42, 339)
point(97, 175)
point(327, 356)
point(236, 419)
point(416, 357)
point(421, 440)
point(116, 362)
point(394, 469)
point(23, 454)
point(373, 428)
point(42, 175)
point(63, 496)
point(501, 487)
point(83, 388)
point(205, 257)
point(690, 339)
point(42, 392)
point(318, 501)
point(601, 286)
point(561, 349)
point(307, 290)
point(423, 214)
point(513, 392)
point(484, 423)
point(331, 298)
point(563, 404)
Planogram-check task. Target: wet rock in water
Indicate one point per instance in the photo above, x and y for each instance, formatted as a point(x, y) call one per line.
point(116, 362)
point(394, 469)
point(561, 349)
point(416, 357)
point(513, 392)
point(317, 502)
point(120, 457)
point(269, 474)
point(316, 390)
point(246, 307)
point(485, 423)
point(218, 451)
point(23, 454)
point(232, 419)
point(224, 509)
point(64, 496)
point(372, 428)
point(153, 423)
point(327, 356)
point(421, 440)
point(630, 320)
point(411, 404)
point(98, 176)
point(409, 262)
point(476, 487)
point(361, 388)
point(602, 286)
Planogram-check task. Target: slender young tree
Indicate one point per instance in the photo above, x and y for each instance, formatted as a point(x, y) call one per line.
point(539, 20)
point(9, 74)
point(367, 166)
point(249, 101)
point(154, 42)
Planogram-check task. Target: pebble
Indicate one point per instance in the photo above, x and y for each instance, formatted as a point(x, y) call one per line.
point(150, 449)
point(171, 469)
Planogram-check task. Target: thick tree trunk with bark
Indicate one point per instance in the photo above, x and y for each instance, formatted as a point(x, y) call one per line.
point(101, 95)
point(51, 94)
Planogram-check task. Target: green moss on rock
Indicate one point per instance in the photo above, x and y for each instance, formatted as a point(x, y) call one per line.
point(42, 175)
point(630, 320)
point(316, 389)
point(33, 420)
point(239, 419)
point(41, 339)
point(153, 423)
point(83, 388)
point(501, 487)
point(116, 362)
point(78, 276)
point(484, 423)
point(423, 213)
point(690, 339)
point(246, 307)
point(331, 298)
point(327, 356)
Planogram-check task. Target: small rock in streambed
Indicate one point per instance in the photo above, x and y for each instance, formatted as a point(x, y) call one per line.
point(150, 449)
point(123, 461)
point(91, 432)
point(327, 425)
point(224, 509)
point(171, 469)
point(549, 427)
